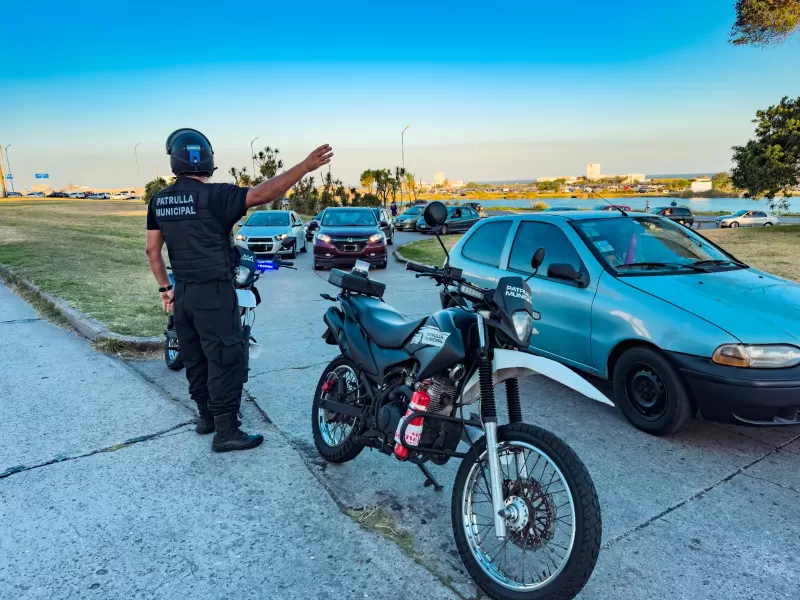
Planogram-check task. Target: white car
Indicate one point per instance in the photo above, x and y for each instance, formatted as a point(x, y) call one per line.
point(100, 196)
point(748, 218)
point(76, 195)
point(35, 194)
point(123, 195)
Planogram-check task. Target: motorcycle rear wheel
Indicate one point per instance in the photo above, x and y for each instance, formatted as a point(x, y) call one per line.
point(333, 433)
point(554, 537)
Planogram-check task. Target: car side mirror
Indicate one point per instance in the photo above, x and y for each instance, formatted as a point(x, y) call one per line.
point(240, 224)
point(384, 224)
point(565, 272)
point(288, 241)
point(538, 259)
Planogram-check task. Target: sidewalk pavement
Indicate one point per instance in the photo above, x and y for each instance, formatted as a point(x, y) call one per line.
point(107, 492)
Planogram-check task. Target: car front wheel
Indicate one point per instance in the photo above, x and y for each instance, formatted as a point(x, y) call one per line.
point(767, 224)
point(734, 224)
point(651, 392)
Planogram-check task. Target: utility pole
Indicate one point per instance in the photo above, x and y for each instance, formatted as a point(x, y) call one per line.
point(136, 155)
point(403, 158)
point(2, 175)
point(253, 156)
point(8, 162)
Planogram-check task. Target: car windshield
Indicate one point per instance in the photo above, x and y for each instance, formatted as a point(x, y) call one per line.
point(739, 213)
point(266, 218)
point(414, 210)
point(348, 218)
point(658, 246)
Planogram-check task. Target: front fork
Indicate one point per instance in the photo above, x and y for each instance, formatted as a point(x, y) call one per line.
point(489, 418)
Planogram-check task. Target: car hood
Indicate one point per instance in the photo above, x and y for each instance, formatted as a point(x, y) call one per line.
point(406, 217)
point(263, 230)
point(753, 306)
point(349, 231)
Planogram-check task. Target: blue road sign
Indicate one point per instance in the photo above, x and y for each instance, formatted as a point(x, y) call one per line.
point(9, 176)
point(42, 176)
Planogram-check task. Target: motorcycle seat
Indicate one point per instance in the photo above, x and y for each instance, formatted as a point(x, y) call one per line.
point(387, 327)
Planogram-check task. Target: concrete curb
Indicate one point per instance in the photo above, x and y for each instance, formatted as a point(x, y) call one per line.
point(87, 327)
point(399, 257)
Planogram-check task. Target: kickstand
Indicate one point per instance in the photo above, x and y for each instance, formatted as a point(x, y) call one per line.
point(430, 480)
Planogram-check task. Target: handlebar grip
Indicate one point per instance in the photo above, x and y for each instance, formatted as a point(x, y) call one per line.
point(419, 268)
point(285, 263)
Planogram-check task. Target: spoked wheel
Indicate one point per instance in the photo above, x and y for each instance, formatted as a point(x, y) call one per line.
point(172, 354)
point(334, 432)
point(553, 521)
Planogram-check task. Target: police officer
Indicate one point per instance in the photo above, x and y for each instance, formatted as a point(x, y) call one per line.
point(196, 221)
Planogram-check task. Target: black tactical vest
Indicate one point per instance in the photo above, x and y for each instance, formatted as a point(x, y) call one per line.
point(199, 247)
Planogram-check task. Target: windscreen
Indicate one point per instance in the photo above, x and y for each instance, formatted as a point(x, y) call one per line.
point(266, 218)
point(348, 218)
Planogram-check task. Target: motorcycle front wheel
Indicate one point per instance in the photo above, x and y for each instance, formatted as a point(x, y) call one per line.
point(554, 527)
point(334, 432)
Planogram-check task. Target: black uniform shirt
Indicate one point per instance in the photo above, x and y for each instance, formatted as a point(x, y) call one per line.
point(227, 204)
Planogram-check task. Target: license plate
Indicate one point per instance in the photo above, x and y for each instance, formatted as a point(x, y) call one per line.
point(350, 248)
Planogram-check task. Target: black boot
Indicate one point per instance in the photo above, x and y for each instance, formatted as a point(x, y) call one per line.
point(205, 424)
point(230, 437)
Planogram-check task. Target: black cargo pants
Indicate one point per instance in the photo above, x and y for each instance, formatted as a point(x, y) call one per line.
point(208, 324)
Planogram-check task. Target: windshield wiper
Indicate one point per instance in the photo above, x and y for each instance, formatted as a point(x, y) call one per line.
point(661, 265)
point(718, 262)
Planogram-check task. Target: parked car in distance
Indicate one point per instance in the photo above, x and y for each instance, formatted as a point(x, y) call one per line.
point(674, 322)
point(35, 195)
point(615, 207)
point(476, 206)
point(385, 222)
point(264, 231)
point(679, 214)
point(347, 235)
point(100, 196)
point(123, 195)
point(76, 195)
point(748, 218)
point(407, 221)
point(559, 208)
point(58, 195)
point(312, 226)
point(459, 218)
point(14, 194)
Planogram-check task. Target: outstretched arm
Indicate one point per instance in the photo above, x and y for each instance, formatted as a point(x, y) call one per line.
point(274, 188)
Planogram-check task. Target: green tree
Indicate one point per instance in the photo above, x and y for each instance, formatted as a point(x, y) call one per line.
point(241, 177)
point(770, 164)
point(412, 186)
point(153, 187)
point(382, 185)
point(370, 200)
point(721, 181)
point(267, 164)
point(304, 196)
point(368, 179)
point(764, 22)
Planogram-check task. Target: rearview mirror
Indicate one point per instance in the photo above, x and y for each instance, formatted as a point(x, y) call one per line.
point(435, 214)
point(565, 272)
point(538, 259)
point(288, 242)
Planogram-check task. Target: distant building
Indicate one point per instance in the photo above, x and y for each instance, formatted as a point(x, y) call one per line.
point(566, 178)
point(457, 184)
point(593, 171)
point(634, 178)
point(438, 178)
point(701, 185)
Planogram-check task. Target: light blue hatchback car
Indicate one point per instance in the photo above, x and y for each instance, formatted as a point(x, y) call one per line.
point(673, 321)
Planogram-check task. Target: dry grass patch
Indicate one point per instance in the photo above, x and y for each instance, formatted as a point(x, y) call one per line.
point(772, 249)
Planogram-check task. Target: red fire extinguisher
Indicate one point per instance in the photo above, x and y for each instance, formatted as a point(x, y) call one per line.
point(420, 400)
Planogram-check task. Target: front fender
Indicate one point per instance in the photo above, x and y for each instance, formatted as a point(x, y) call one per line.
point(509, 363)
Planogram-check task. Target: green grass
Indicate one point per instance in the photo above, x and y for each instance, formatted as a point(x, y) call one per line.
point(771, 249)
point(89, 252)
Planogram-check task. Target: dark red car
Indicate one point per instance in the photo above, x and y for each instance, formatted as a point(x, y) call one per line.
point(346, 235)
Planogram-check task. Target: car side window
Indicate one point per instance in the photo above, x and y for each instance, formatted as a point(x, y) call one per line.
point(533, 235)
point(486, 243)
point(762, 214)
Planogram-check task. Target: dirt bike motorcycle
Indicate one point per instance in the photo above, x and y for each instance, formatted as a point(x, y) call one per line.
point(525, 513)
point(248, 270)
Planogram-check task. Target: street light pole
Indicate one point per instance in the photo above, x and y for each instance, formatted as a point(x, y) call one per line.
point(253, 156)
point(403, 158)
point(8, 162)
point(136, 155)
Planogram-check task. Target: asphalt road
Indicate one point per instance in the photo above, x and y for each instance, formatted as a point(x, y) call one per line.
point(710, 514)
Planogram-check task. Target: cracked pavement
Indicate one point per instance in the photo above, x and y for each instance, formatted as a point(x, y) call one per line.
point(710, 514)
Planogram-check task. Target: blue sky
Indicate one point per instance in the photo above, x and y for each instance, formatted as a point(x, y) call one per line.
point(491, 90)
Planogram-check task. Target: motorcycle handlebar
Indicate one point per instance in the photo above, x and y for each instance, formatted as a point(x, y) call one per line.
point(285, 263)
point(419, 267)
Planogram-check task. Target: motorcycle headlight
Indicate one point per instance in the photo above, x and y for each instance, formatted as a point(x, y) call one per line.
point(241, 238)
point(375, 238)
point(523, 323)
point(324, 238)
point(242, 273)
point(777, 356)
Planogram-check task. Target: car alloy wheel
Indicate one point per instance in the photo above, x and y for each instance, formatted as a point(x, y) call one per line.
point(734, 224)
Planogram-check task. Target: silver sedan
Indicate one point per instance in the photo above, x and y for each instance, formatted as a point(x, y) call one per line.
point(748, 218)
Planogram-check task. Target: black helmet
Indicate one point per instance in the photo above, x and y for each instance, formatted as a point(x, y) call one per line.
point(190, 152)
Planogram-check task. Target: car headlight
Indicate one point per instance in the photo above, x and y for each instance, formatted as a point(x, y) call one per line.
point(523, 323)
point(324, 238)
point(375, 238)
point(282, 236)
point(241, 238)
point(777, 356)
point(241, 274)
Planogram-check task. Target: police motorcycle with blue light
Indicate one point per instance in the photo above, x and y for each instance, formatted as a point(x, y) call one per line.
point(525, 512)
point(248, 270)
